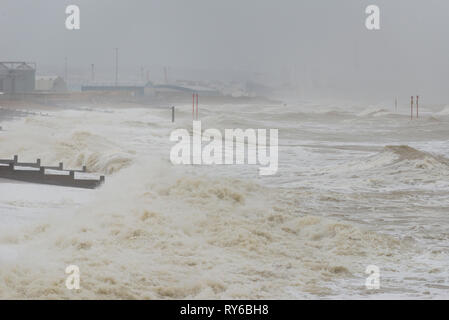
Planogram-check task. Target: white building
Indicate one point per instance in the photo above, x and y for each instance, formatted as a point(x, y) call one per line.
point(50, 84)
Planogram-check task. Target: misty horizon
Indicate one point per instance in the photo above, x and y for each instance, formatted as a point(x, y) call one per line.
point(303, 45)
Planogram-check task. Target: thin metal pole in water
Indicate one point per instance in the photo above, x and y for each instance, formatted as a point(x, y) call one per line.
point(417, 106)
point(116, 66)
point(173, 114)
point(411, 109)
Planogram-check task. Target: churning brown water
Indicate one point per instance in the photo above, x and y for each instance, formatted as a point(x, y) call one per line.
point(356, 186)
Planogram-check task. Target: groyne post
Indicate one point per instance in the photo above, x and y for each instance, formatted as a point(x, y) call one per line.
point(411, 109)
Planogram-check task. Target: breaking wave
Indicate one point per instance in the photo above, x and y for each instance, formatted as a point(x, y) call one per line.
point(156, 232)
point(376, 112)
point(46, 139)
point(405, 152)
point(444, 112)
point(397, 158)
point(405, 157)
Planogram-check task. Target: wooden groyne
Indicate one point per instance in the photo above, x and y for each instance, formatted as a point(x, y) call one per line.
point(35, 173)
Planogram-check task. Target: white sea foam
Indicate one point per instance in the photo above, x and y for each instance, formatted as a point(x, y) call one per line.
point(341, 202)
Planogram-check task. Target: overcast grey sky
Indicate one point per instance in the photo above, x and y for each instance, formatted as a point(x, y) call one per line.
point(321, 41)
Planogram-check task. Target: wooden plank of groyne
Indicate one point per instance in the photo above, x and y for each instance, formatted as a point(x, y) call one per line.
point(39, 177)
point(37, 164)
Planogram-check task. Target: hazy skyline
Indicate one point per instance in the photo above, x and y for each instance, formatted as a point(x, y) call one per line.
point(322, 43)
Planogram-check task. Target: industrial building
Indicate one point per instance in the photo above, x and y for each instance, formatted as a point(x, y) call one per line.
point(17, 77)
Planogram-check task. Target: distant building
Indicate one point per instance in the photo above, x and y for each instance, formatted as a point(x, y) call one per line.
point(17, 77)
point(133, 90)
point(50, 84)
point(169, 89)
